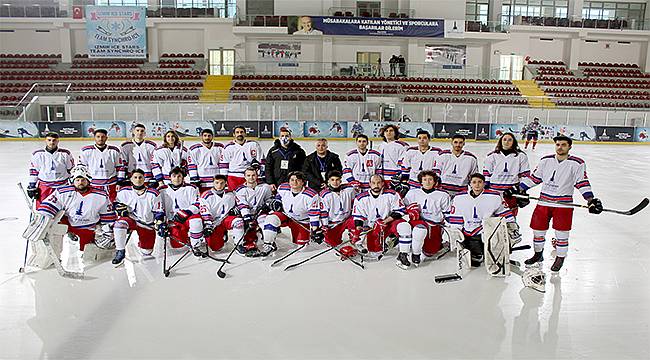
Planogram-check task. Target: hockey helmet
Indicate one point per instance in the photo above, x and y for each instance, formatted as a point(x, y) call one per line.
point(535, 279)
point(348, 251)
point(80, 171)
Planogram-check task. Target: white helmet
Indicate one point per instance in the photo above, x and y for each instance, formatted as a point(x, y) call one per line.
point(535, 279)
point(80, 170)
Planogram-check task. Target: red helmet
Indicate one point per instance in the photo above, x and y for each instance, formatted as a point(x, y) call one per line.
point(348, 252)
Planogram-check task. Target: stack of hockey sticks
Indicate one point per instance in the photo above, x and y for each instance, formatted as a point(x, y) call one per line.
point(189, 249)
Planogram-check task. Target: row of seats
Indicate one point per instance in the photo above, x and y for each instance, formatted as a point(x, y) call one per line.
point(467, 100)
point(175, 61)
point(30, 56)
point(137, 86)
point(600, 96)
point(607, 104)
point(564, 22)
point(370, 78)
point(102, 66)
point(545, 62)
point(24, 66)
point(461, 92)
point(392, 15)
point(324, 97)
point(132, 98)
point(609, 65)
point(179, 55)
point(596, 91)
point(104, 73)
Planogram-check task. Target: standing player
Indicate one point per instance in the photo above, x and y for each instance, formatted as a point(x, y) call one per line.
point(427, 209)
point(203, 161)
point(49, 170)
point(240, 154)
point(137, 208)
point(251, 198)
point(215, 206)
point(391, 150)
point(558, 174)
point(381, 210)
point(105, 164)
point(505, 167)
point(336, 208)
point(167, 156)
point(285, 157)
point(299, 211)
point(532, 132)
point(417, 159)
point(361, 163)
point(137, 153)
point(455, 166)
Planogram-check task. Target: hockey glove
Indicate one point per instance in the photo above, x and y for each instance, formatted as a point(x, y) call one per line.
point(208, 229)
point(255, 164)
point(516, 190)
point(122, 210)
point(162, 229)
point(181, 216)
point(395, 181)
point(33, 192)
point(413, 211)
point(595, 206)
point(523, 202)
point(317, 235)
point(274, 204)
point(248, 222)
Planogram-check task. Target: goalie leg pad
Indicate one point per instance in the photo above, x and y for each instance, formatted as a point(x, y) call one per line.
point(40, 256)
point(496, 246)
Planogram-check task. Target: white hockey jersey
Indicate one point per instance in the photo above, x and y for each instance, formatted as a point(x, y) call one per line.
point(504, 171)
point(83, 211)
point(455, 170)
point(336, 207)
point(237, 158)
point(185, 197)
point(369, 209)
point(467, 212)
point(203, 162)
point(143, 208)
point(558, 178)
point(106, 166)
point(214, 207)
point(250, 200)
point(434, 205)
point(165, 159)
point(303, 207)
point(360, 167)
point(50, 168)
point(138, 156)
point(415, 161)
point(391, 153)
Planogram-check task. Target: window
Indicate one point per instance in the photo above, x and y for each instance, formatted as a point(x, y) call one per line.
point(536, 8)
point(599, 10)
point(477, 10)
point(369, 8)
point(122, 2)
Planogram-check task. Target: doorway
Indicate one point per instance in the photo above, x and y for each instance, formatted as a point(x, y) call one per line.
point(221, 62)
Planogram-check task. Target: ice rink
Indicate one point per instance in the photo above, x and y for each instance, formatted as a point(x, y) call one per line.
point(597, 308)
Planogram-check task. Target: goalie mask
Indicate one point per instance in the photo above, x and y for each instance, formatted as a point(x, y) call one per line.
point(535, 279)
point(80, 171)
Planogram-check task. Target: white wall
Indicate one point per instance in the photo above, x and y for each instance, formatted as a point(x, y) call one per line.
point(547, 50)
point(345, 51)
point(31, 42)
point(298, 7)
point(610, 51)
point(438, 9)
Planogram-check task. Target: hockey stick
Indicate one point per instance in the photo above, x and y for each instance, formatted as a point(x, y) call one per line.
point(220, 273)
point(355, 262)
point(296, 249)
point(292, 266)
point(31, 209)
point(632, 211)
point(10, 218)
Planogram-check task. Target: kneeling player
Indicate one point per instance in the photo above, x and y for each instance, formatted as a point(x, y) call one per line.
point(216, 205)
point(336, 209)
point(252, 198)
point(137, 208)
point(426, 208)
point(470, 208)
point(298, 208)
point(381, 210)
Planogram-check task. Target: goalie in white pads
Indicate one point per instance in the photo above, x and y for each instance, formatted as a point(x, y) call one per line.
point(336, 208)
point(216, 206)
point(252, 198)
point(181, 201)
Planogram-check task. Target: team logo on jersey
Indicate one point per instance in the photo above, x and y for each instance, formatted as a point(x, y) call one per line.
point(253, 153)
point(452, 209)
point(369, 163)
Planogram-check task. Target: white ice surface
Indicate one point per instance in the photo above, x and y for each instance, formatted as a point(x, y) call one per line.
point(598, 308)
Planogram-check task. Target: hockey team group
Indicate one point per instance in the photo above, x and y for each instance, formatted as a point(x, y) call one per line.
point(395, 196)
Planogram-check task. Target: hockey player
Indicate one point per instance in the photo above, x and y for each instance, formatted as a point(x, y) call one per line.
point(251, 198)
point(137, 153)
point(49, 170)
point(167, 156)
point(240, 154)
point(105, 164)
point(505, 167)
point(361, 163)
point(216, 207)
point(455, 166)
point(417, 159)
point(181, 203)
point(391, 150)
point(137, 208)
point(532, 132)
point(336, 208)
point(470, 208)
point(558, 174)
point(381, 210)
point(427, 209)
point(85, 207)
point(298, 208)
point(203, 161)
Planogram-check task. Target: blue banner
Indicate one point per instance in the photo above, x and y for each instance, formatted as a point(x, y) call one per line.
point(337, 25)
point(116, 32)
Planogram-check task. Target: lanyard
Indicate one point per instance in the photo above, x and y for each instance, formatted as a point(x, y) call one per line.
point(321, 163)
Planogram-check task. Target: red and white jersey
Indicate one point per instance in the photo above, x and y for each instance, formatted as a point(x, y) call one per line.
point(250, 200)
point(214, 207)
point(50, 168)
point(455, 170)
point(434, 205)
point(369, 208)
point(83, 211)
point(203, 162)
point(138, 156)
point(106, 166)
point(185, 197)
point(558, 179)
point(467, 212)
point(415, 161)
point(391, 153)
point(165, 159)
point(303, 207)
point(360, 167)
point(143, 208)
point(336, 206)
point(504, 171)
point(237, 158)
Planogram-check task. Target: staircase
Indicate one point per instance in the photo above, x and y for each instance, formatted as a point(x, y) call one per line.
point(216, 88)
point(535, 96)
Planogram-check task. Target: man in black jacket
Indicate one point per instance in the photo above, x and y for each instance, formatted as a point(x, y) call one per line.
point(284, 157)
point(319, 163)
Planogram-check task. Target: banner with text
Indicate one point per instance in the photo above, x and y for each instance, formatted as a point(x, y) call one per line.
point(116, 32)
point(336, 25)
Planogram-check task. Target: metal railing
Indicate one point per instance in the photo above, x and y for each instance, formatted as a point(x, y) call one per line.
point(390, 13)
point(578, 22)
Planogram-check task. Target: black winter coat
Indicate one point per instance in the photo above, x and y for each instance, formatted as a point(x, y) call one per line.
point(312, 169)
point(273, 169)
